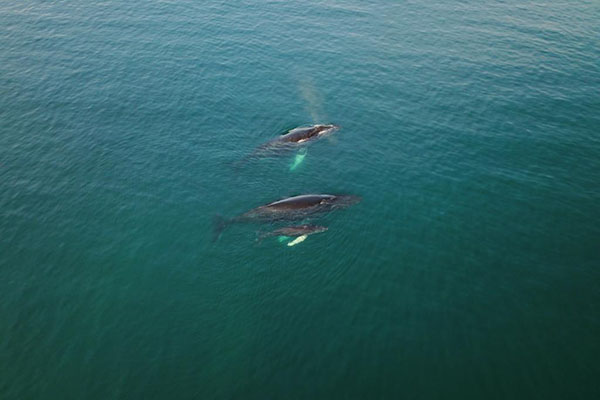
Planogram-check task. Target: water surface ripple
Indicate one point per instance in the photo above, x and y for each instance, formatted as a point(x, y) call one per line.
point(469, 270)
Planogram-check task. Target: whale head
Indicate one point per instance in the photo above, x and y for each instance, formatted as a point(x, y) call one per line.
point(326, 129)
point(315, 228)
point(343, 200)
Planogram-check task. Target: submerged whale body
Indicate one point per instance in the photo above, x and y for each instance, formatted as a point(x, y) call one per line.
point(294, 231)
point(291, 208)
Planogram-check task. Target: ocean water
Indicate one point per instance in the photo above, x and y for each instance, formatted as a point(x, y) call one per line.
point(470, 269)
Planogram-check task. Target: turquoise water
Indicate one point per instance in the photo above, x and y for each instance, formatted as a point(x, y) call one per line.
point(469, 270)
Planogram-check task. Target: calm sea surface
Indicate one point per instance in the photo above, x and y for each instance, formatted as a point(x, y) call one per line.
point(470, 270)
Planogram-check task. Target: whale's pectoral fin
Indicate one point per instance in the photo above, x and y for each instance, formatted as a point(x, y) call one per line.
point(298, 160)
point(299, 239)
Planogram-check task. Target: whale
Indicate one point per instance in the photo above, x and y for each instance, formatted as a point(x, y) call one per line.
point(289, 209)
point(294, 138)
point(293, 231)
point(289, 141)
point(303, 134)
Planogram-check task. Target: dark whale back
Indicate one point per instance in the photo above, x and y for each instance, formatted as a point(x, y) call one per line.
point(300, 134)
point(300, 202)
point(297, 207)
point(300, 230)
point(292, 138)
point(293, 231)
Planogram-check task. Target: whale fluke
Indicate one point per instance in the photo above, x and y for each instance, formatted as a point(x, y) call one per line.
point(219, 225)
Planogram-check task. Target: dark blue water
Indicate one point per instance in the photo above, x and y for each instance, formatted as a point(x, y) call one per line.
point(469, 270)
